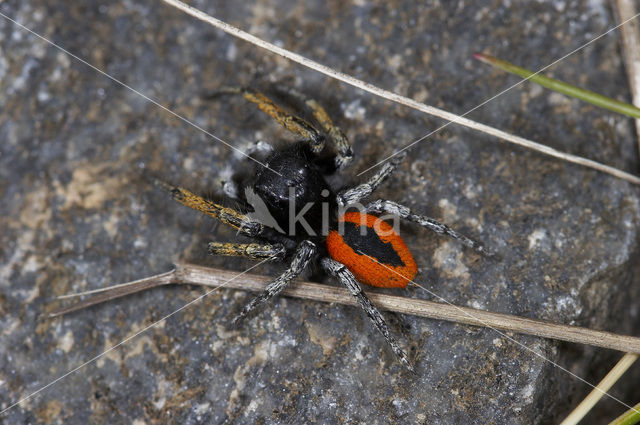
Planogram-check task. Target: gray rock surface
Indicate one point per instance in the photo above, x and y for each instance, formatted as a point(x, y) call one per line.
point(75, 215)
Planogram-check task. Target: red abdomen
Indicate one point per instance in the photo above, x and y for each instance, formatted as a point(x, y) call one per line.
point(372, 251)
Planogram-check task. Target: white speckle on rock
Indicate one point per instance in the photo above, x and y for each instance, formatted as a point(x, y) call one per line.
point(559, 240)
point(471, 191)
point(527, 393)
point(253, 406)
point(159, 404)
point(354, 110)
point(288, 341)
point(32, 264)
point(43, 95)
point(66, 342)
point(448, 259)
point(394, 62)
point(560, 5)
point(399, 405)
point(63, 64)
point(275, 323)
point(473, 223)
point(232, 52)
point(535, 90)
point(202, 408)
point(449, 210)
point(565, 304)
point(139, 243)
point(187, 164)
point(475, 304)
point(561, 102)
point(536, 238)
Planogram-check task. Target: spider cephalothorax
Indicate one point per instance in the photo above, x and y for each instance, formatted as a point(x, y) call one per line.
point(296, 216)
point(292, 185)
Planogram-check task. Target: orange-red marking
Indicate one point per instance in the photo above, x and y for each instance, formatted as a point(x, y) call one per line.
point(366, 269)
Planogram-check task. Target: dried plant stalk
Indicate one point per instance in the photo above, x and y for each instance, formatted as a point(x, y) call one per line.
point(600, 390)
point(198, 275)
point(450, 117)
point(627, 9)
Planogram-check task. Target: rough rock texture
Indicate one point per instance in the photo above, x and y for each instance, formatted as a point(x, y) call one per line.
point(75, 215)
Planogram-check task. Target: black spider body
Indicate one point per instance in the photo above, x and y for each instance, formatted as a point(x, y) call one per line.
point(294, 184)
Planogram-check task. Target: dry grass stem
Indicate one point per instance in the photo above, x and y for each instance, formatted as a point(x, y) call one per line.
point(450, 117)
point(198, 275)
point(631, 50)
point(600, 390)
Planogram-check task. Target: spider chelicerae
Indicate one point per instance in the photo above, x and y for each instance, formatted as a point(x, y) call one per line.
point(297, 217)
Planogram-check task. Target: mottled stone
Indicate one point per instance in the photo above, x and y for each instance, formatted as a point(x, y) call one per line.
point(75, 214)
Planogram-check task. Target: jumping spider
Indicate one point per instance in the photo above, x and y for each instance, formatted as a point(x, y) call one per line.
point(352, 246)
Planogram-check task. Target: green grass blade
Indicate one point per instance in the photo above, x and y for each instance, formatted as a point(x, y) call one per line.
point(630, 417)
point(562, 87)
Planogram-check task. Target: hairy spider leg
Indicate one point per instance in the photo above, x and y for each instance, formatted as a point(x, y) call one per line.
point(355, 194)
point(349, 281)
point(291, 122)
point(385, 206)
point(340, 140)
point(250, 250)
point(301, 259)
point(226, 215)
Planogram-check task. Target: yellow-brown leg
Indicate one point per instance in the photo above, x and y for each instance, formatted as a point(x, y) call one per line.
point(250, 250)
point(291, 122)
point(226, 215)
point(345, 154)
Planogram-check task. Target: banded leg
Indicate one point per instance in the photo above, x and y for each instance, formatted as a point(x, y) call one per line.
point(301, 259)
point(384, 206)
point(226, 215)
point(345, 153)
point(347, 279)
point(250, 250)
point(355, 194)
point(291, 122)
